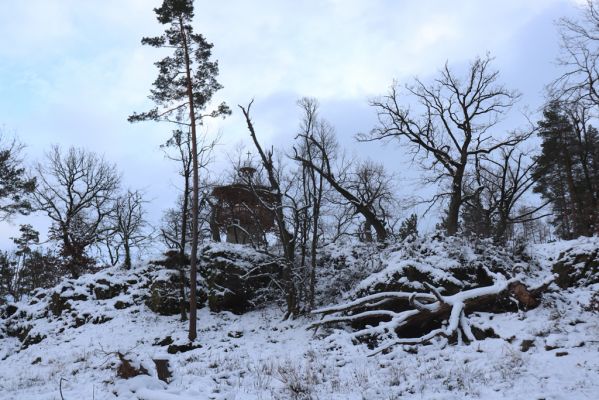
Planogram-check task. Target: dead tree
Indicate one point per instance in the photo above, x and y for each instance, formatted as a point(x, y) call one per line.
point(76, 189)
point(417, 322)
point(286, 236)
point(450, 125)
point(360, 194)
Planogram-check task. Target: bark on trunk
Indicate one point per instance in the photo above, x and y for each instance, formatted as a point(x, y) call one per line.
point(195, 192)
point(453, 211)
point(182, 258)
point(127, 254)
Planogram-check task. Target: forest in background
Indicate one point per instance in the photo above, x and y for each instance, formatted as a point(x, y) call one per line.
point(485, 178)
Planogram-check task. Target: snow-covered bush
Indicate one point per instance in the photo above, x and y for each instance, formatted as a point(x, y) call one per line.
point(342, 266)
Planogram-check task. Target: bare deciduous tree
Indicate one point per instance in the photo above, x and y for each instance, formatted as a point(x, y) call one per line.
point(362, 193)
point(76, 190)
point(286, 236)
point(494, 191)
point(179, 148)
point(129, 226)
point(319, 130)
point(450, 125)
point(579, 57)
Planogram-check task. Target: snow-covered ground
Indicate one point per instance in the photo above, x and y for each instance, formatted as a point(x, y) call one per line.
point(551, 352)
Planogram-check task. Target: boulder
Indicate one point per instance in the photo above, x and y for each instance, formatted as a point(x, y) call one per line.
point(236, 277)
point(577, 266)
point(58, 304)
point(104, 289)
point(163, 297)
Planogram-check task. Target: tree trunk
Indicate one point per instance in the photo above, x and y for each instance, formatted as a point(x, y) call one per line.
point(287, 239)
point(184, 212)
point(68, 252)
point(421, 314)
point(195, 193)
point(127, 254)
point(453, 211)
point(316, 217)
point(214, 228)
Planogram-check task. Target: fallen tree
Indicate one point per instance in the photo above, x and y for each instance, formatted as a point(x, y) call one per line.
point(387, 319)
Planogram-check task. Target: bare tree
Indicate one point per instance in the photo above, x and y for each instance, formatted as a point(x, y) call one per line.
point(450, 125)
point(494, 192)
point(179, 148)
point(319, 130)
point(579, 58)
point(358, 190)
point(286, 236)
point(129, 226)
point(373, 187)
point(76, 189)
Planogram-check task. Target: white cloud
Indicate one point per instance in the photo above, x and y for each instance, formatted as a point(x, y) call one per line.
point(72, 70)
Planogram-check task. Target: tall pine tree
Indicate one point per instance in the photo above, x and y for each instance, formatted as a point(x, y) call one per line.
point(182, 91)
point(15, 186)
point(567, 170)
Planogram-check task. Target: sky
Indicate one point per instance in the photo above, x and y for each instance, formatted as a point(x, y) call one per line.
point(71, 71)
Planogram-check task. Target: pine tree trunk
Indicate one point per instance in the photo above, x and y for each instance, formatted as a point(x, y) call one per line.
point(195, 193)
point(184, 212)
point(576, 207)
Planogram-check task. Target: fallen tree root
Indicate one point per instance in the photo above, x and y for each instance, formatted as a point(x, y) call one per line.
point(424, 316)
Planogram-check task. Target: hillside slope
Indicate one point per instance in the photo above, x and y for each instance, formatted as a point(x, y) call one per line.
point(551, 352)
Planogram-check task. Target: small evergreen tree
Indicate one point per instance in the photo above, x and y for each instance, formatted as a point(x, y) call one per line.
point(408, 227)
point(15, 186)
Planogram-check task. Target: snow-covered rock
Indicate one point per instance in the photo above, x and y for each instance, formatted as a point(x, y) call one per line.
point(550, 352)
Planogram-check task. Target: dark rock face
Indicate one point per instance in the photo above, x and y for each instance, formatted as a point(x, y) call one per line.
point(121, 305)
point(163, 297)
point(576, 267)
point(236, 277)
point(104, 290)
point(58, 304)
point(32, 339)
point(182, 348)
point(9, 310)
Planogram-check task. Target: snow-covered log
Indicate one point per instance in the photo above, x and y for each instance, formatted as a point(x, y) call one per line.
point(417, 318)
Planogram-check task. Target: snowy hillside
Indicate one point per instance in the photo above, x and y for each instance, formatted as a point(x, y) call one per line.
point(68, 338)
